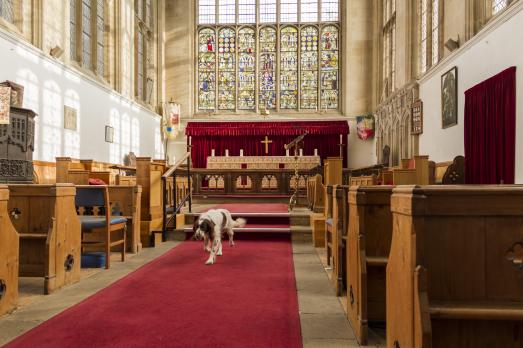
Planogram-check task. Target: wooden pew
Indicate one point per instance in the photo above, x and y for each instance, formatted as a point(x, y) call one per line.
point(125, 201)
point(79, 172)
point(454, 272)
point(448, 173)
point(9, 248)
point(50, 236)
point(413, 171)
point(149, 177)
point(368, 180)
point(340, 217)
point(369, 238)
point(329, 200)
point(315, 193)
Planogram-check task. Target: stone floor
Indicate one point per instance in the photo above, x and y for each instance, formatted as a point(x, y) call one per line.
point(323, 320)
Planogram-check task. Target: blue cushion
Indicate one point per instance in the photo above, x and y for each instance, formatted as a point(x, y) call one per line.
point(90, 222)
point(93, 260)
point(329, 222)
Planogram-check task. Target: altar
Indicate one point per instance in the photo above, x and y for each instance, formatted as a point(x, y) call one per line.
point(262, 162)
point(247, 144)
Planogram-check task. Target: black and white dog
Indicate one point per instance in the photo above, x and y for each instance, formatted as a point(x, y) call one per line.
point(211, 226)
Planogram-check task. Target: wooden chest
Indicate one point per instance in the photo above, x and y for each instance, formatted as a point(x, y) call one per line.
point(17, 146)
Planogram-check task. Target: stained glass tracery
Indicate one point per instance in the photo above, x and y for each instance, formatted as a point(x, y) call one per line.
point(329, 67)
point(267, 67)
point(247, 69)
point(226, 69)
point(207, 69)
point(289, 68)
point(309, 68)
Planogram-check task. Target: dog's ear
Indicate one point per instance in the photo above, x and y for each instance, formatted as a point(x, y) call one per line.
point(195, 225)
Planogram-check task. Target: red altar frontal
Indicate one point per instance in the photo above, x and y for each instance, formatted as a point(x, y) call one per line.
point(265, 138)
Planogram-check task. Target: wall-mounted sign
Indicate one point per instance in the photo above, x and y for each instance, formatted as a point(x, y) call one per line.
point(417, 118)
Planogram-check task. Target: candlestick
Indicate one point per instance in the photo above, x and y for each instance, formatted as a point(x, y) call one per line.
point(213, 153)
point(190, 140)
point(341, 139)
point(287, 153)
point(227, 153)
point(301, 152)
point(241, 152)
point(315, 152)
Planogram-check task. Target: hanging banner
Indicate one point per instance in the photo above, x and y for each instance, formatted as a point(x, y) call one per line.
point(365, 126)
point(172, 121)
point(5, 104)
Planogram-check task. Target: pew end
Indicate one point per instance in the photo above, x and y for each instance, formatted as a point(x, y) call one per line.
point(9, 257)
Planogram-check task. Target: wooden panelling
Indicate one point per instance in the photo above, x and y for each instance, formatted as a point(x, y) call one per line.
point(9, 249)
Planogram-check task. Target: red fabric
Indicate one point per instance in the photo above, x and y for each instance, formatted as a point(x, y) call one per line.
point(254, 207)
point(96, 182)
point(323, 135)
point(490, 130)
point(247, 299)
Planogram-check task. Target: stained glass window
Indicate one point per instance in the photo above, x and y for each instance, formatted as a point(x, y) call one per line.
point(226, 69)
point(289, 68)
point(207, 69)
point(309, 68)
point(389, 45)
point(267, 11)
point(207, 11)
point(247, 69)
point(435, 31)
point(7, 10)
point(329, 67)
point(423, 36)
point(86, 34)
point(267, 68)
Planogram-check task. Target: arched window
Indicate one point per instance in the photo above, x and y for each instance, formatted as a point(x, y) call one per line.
point(285, 59)
point(389, 45)
point(226, 69)
point(247, 69)
point(498, 6)
point(207, 69)
point(289, 68)
point(429, 43)
point(7, 10)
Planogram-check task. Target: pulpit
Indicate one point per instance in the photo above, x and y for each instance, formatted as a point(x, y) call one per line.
point(17, 146)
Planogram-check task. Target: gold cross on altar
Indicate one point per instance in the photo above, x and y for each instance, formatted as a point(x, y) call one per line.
point(266, 142)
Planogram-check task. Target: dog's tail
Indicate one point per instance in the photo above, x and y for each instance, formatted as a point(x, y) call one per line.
point(239, 223)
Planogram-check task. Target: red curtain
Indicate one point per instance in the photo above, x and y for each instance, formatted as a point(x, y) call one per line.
point(205, 136)
point(490, 130)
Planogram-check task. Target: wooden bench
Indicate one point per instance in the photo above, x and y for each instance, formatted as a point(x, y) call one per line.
point(454, 276)
point(329, 197)
point(315, 194)
point(79, 172)
point(369, 238)
point(368, 180)
point(50, 237)
point(340, 218)
point(125, 201)
point(448, 173)
point(9, 248)
point(414, 171)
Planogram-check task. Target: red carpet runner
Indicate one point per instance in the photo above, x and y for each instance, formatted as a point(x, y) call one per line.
point(248, 300)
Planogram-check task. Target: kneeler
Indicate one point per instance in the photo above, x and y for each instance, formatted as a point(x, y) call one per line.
point(95, 199)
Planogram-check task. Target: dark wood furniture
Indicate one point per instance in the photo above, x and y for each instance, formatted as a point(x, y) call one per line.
point(17, 146)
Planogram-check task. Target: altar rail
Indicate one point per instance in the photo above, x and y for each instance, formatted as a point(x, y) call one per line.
point(247, 182)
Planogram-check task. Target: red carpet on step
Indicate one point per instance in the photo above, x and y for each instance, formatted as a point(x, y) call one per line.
point(246, 300)
point(255, 207)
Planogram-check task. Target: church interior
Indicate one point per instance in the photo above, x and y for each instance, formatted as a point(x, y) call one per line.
point(261, 173)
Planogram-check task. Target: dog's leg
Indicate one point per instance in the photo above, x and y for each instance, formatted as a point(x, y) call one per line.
point(214, 249)
point(205, 241)
point(220, 247)
point(230, 232)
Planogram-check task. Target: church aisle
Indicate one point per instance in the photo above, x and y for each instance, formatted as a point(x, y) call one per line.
point(248, 299)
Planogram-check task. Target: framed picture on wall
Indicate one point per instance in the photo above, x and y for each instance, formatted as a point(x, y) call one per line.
point(109, 134)
point(449, 98)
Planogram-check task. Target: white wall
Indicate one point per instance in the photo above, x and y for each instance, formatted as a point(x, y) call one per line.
point(362, 153)
point(495, 49)
point(49, 85)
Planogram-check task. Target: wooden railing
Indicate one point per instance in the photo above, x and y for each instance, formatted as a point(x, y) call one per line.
point(247, 181)
point(176, 192)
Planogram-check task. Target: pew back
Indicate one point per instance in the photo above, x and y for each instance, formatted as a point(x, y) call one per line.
point(469, 239)
point(9, 247)
point(45, 217)
point(369, 238)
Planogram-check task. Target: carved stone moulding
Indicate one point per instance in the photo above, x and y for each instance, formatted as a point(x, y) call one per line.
point(16, 171)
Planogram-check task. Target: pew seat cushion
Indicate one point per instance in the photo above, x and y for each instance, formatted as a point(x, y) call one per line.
point(329, 221)
point(93, 260)
point(96, 182)
point(90, 222)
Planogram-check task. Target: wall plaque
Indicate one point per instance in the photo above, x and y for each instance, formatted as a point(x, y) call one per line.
point(70, 118)
point(5, 103)
point(417, 118)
